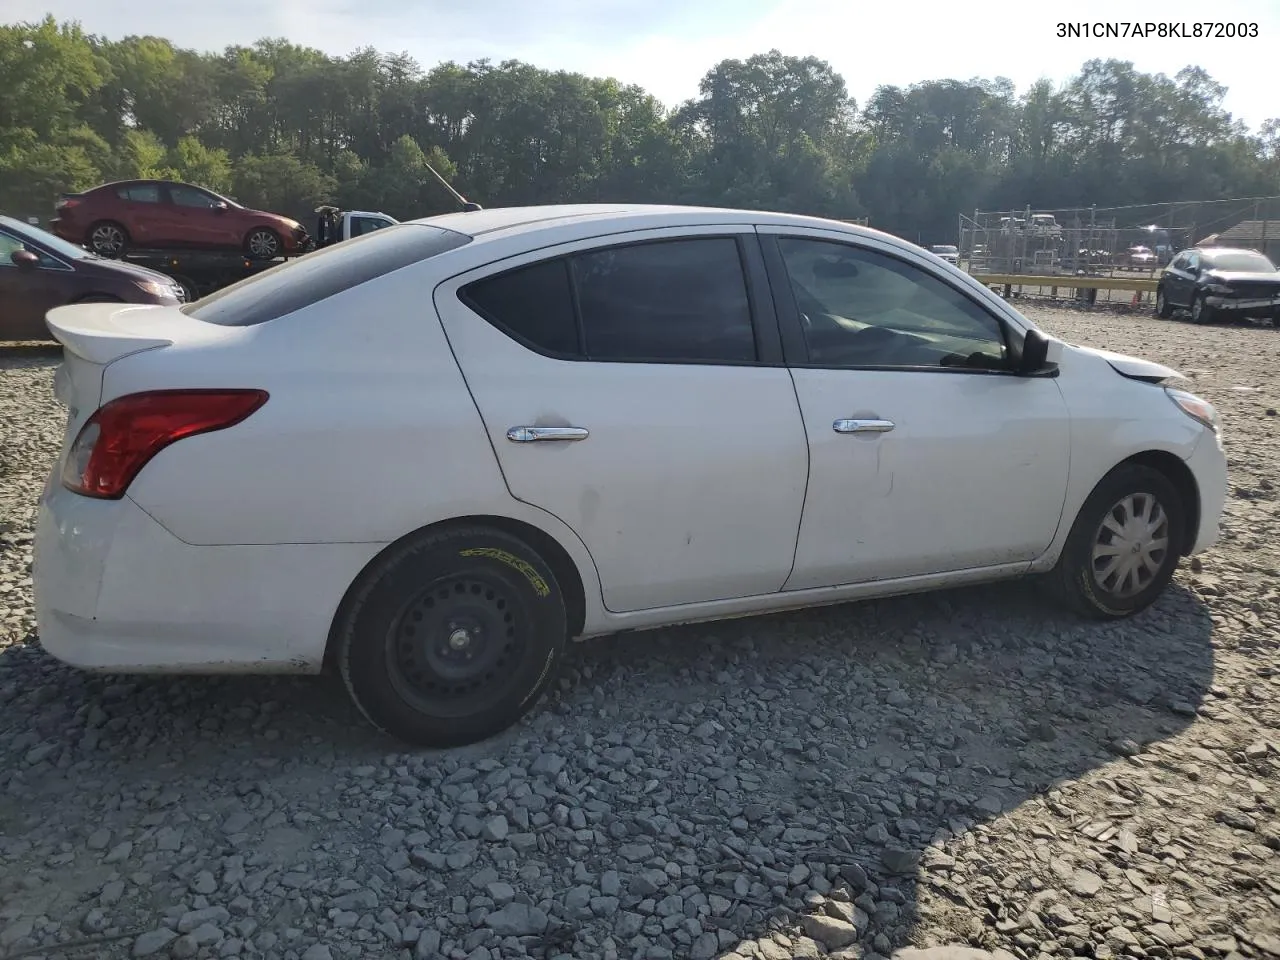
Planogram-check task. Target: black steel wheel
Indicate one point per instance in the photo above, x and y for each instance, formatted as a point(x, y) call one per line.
point(451, 636)
point(1164, 309)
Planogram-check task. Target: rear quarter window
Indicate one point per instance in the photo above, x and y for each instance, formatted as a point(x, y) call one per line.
point(322, 274)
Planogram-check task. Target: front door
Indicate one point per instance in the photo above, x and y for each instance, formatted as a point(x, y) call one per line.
point(631, 390)
point(927, 456)
point(199, 221)
point(28, 293)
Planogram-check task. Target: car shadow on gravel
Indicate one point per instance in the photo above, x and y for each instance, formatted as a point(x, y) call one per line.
point(791, 757)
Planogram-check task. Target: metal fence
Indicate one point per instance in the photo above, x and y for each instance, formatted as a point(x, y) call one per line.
point(1112, 241)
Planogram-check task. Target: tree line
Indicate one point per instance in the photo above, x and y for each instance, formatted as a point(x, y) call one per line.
point(285, 127)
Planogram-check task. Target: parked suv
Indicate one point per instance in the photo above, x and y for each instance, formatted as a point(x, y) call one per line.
point(432, 454)
point(149, 214)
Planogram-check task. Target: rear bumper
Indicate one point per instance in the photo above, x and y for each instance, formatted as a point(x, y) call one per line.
point(115, 591)
point(1208, 464)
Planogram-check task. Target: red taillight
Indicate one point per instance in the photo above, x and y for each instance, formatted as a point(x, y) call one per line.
point(66, 204)
point(118, 440)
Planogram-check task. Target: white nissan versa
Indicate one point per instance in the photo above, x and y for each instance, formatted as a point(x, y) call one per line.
point(432, 454)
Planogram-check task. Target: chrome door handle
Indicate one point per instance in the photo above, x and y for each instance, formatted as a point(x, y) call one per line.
point(532, 434)
point(862, 426)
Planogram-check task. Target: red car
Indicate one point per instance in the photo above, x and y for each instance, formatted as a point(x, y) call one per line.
point(149, 214)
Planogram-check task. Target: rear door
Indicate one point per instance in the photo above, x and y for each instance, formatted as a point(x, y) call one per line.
point(633, 388)
point(145, 214)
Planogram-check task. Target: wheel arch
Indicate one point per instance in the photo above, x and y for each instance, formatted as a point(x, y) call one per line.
point(1175, 469)
point(548, 547)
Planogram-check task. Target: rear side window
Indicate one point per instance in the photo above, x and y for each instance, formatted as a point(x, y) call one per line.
point(534, 304)
point(140, 193)
point(668, 300)
point(319, 275)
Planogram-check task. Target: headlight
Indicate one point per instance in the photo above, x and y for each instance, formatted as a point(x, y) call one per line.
point(1199, 410)
point(155, 288)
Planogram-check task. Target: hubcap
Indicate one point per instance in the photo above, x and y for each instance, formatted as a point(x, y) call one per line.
point(454, 648)
point(107, 240)
point(263, 244)
point(1131, 545)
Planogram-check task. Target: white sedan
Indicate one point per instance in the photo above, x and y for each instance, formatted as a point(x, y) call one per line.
point(431, 455)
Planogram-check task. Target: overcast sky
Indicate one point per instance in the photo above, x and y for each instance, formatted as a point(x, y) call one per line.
point(667, 45)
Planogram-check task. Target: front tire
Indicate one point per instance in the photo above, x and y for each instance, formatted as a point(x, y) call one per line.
point(452, 636)
point(1201, 312)
point(1124, 546)
point(1164, 309)
point(263, 244)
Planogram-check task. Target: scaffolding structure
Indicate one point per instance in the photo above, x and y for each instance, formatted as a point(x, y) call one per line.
point(1112, 241)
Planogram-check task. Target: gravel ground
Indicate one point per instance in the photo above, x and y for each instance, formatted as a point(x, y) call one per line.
point(970, 768)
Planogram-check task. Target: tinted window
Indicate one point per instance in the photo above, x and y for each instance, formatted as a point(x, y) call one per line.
point(671, 300)
point(190, 197)
point(319, 275)
point(859, 308)
point(140, 193)
point(534, 304)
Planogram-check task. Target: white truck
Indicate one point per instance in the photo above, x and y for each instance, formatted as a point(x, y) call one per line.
point(335, 225)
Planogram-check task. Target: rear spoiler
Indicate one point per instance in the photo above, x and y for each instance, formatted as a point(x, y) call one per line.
point(103, 332)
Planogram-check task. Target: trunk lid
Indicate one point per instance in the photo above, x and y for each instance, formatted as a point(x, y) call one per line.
point(96, 335)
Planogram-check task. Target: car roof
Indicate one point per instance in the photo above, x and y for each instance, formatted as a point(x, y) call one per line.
point(508, 221)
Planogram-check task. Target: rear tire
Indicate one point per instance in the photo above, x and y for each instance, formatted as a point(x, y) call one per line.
point(263, 243)
point(107, 239)
point(452, 636)
point(1164, 309)
point(1114, 564)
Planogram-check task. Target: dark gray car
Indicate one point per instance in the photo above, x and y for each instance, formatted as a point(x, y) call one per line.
point(1219, 283)
point(39, 271)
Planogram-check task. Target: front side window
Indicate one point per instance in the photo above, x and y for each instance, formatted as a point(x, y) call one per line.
point(10, 245)
point(859, 308)
point(669, 300)
point(140, 193)
point(191, 197)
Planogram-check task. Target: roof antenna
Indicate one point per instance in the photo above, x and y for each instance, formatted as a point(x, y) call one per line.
point(467, 205)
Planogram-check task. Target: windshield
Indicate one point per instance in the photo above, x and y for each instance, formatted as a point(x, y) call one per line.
point(45, 239)
point(1242, 261)
point(945, 249)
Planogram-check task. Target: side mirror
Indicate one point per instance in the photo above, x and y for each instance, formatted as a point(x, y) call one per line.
point(1035, 354)
point(220, 206)
point(23, 259)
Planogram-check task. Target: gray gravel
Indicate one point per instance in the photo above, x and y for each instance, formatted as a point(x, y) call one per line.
point(970, 768)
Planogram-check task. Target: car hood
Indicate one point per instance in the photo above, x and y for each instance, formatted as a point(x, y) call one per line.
point(132, 270)
point(1134, 367)
point(287, 223)
point(1231, 276)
